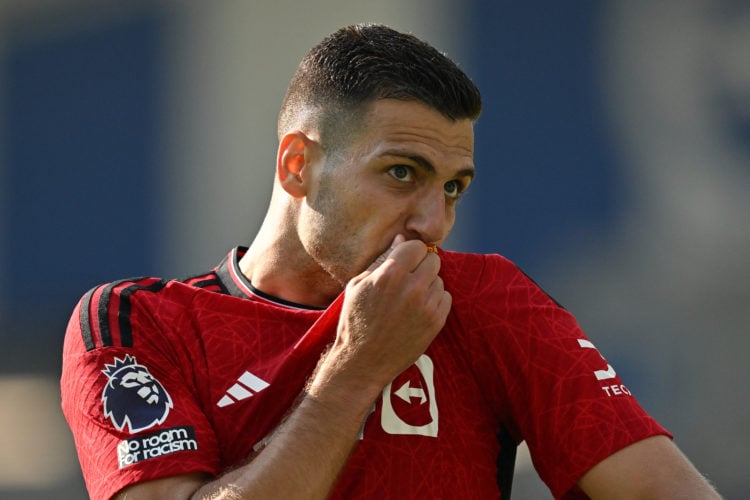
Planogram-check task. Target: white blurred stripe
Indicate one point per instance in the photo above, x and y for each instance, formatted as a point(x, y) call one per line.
point(36, 447)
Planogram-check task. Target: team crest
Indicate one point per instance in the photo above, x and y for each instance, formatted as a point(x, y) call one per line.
point(133, 397)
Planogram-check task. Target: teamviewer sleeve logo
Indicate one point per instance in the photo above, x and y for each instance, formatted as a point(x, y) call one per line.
point(133, 397)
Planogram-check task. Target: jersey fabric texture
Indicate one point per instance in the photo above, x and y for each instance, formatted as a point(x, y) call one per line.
point(170, 377)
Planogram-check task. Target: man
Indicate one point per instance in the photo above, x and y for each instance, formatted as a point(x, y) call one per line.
point(342, 354)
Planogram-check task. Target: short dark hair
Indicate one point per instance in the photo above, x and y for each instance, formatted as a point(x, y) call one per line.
point(357, 65)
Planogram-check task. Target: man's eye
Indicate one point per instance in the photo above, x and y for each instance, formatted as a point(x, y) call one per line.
point(401, 172)
point(452, 189)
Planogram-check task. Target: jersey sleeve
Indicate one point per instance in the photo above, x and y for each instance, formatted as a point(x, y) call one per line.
point(556, 390)
point(130, 395)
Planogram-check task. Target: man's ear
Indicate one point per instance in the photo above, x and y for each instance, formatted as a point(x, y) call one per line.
point(296, 152)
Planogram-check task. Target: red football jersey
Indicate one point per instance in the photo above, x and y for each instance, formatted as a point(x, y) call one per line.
point(170, 377)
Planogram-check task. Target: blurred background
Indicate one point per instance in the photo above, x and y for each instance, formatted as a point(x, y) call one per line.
point(613, 161)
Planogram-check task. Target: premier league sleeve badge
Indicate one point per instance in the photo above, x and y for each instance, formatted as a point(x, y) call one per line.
point(132, 397)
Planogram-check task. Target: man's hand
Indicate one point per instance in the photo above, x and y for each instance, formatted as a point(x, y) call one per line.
point(391, 313)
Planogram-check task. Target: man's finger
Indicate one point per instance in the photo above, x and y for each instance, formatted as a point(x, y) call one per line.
point(397, 240)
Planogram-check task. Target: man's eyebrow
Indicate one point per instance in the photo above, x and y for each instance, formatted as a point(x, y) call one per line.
point(427, 165)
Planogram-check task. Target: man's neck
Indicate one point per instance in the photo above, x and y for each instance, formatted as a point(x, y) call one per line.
point(287, 272)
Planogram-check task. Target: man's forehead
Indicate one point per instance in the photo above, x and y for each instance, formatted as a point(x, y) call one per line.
point(403, 125)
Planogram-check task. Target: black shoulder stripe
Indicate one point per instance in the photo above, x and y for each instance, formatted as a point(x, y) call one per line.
point(126, 332)
point(221, 286)
point(204, 283)
point(104, 331)
point(216, 282)
point(208, 280)
point(85, 319)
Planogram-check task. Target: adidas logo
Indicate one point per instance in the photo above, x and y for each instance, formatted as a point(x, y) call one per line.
point(246, 386)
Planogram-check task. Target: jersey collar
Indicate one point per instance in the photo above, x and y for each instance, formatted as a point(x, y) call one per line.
point(237, 284)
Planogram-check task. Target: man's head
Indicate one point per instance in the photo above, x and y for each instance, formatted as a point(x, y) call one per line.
point(375, 140)
point(339, 78)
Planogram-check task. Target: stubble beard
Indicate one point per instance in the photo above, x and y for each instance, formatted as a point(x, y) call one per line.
point(331, 238)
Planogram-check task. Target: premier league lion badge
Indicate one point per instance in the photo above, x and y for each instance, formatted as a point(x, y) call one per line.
point(133, 397)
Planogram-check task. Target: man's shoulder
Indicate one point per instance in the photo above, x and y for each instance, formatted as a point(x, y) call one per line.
point(465, 266)
point(105, 315)
point(124, 293)
point(142, 289)
point(474, 277)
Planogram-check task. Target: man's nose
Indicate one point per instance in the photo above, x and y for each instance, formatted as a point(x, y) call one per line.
point(429, 219)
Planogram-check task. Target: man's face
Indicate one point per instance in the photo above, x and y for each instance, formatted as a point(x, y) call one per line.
point(402, 173)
